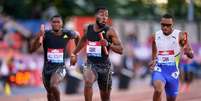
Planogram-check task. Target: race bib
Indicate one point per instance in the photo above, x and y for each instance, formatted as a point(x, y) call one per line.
point(93, 49)
point(166, 56)
point(55, 55)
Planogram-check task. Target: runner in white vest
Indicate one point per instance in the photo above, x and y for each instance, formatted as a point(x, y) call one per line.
point(167, 45)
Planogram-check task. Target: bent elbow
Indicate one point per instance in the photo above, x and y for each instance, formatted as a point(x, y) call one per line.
point(120, 51)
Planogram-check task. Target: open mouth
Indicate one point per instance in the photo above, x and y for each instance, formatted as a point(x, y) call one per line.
point(104, 22)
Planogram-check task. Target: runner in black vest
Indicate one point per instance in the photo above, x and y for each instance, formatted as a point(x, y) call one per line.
point(54, 45)
point(98, 64)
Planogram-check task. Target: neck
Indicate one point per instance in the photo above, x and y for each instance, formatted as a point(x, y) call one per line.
point(96, 28)
point(57, 33)
point(168, 33)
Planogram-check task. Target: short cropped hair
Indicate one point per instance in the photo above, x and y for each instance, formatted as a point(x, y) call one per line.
point(168, 16)
point(100, 8)
point(55, 16)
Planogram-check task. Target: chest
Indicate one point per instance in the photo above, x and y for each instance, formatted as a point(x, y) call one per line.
point(56, 42)
point(169, 42)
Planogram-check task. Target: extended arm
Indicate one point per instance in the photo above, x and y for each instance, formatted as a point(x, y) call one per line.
point(154, 53)
point(77, 39)
point(80, 45)
point(36, 43)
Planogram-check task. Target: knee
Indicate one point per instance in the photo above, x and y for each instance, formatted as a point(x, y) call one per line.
point(158, 90)
point(88, 84)
point(53, 86)
point(158, 87)
point(50, 94)
point(89, 80)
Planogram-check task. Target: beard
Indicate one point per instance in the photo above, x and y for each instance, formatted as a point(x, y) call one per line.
point(100, 25)
point(55, 30)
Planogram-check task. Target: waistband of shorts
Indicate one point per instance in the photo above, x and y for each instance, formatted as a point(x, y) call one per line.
point(53, 64)
point(106, 62)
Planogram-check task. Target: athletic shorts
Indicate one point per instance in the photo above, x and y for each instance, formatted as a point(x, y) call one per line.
point(102, 72)
point(168, 74)
point(49, 70)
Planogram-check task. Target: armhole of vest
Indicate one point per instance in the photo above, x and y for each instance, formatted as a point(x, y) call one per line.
point(178, 38)
point(45, 35)
point(154, 36)
point(87, 29)
point(106, 29)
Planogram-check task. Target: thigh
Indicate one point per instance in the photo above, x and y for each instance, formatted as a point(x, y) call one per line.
point(46, 79)
point(58, 75)
point(89, 74)
point(156, 77)
point(158, 81)
point(104, 79)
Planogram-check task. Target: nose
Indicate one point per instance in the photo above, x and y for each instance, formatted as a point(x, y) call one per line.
point(105, 17)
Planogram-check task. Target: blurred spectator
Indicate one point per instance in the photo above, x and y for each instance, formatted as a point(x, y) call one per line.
point(126, 72)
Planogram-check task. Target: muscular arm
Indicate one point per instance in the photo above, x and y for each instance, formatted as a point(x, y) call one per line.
point(80, 43)
point(154, 49)
point(154, 53)
point(77, 39)
point(116, 44)
point(35, 44)
point(183, 41)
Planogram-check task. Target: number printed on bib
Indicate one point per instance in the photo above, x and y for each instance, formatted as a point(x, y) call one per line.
point(166, 56)
point(55, 55)
point(93, 49)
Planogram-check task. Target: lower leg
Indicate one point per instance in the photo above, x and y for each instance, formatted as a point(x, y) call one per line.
point(50, 97)
point(157, 96)
point(105, 95)
point(88, 92)
point(158, 90)
point(56, 93)
point(171, 98)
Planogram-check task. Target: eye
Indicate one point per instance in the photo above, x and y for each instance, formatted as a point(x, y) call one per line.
point(167, 25)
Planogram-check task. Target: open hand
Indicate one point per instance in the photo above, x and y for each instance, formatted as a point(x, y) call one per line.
point(152, 64)
point(73, 59)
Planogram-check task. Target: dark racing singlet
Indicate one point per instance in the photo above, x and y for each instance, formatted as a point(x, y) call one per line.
point(95, 52)
point(55, 46)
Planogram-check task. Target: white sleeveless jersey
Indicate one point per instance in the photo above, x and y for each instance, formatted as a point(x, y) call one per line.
point(167, 46)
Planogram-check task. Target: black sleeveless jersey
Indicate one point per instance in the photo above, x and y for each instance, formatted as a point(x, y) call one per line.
point(55, 46)
point(93, 36)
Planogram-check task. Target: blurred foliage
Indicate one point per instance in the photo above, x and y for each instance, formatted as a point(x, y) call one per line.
point(178, 8)
point(129, 9)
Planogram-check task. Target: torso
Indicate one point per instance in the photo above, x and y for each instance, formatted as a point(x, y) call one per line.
point(167, 46)
point(55, 47)
point(95, 51)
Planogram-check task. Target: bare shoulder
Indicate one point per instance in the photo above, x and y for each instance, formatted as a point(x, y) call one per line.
point(85, 29)
point(153, 35)
point(183, 35)
point(111, 31)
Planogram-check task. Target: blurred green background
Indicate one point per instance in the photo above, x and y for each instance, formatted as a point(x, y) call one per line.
point(131, 9)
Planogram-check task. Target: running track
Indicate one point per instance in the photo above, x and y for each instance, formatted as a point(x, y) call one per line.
point(140, 93)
